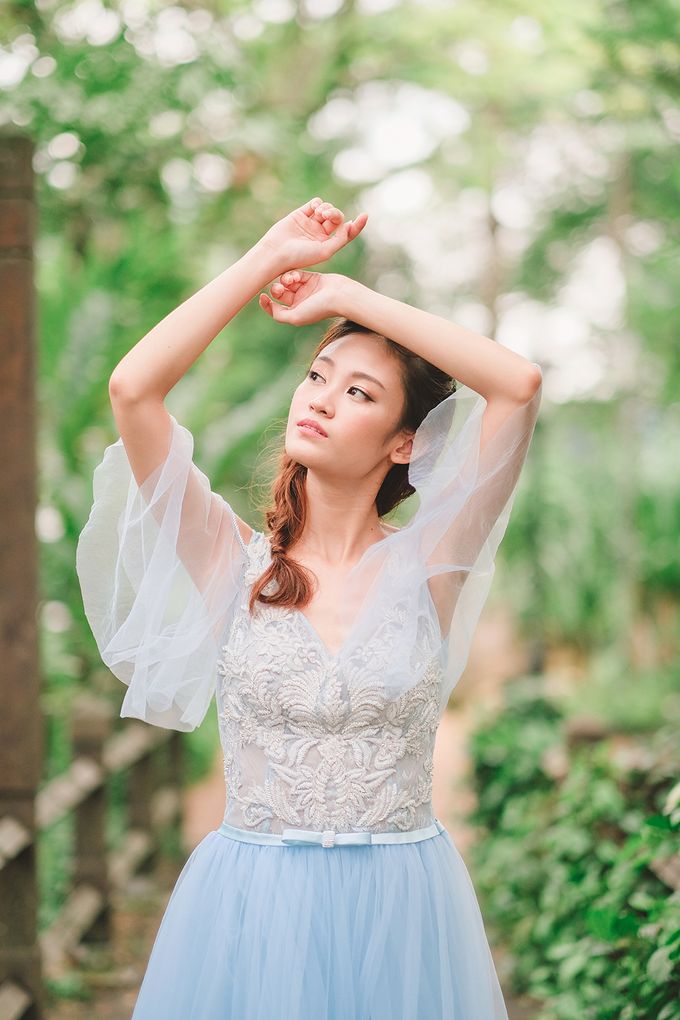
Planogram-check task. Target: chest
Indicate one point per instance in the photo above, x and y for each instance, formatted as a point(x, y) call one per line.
point(323, 613)
point(277, 675)
point(340, 621)
point(277, 669)
point(326, 613)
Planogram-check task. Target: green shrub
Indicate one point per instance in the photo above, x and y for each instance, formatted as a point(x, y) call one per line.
point(562, 864)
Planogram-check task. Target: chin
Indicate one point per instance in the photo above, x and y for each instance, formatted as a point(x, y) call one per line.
point(295, 453)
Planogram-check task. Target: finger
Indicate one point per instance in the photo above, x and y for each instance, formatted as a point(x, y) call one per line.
point(347, 233)
point(282, 293)
point(333, 215)
point(309, 207)
point(330, 224)
point(333, 222)
point(356, 225)
point(296, 280)
point(327, 211)
point(289, 286)
point(290, 278)
point(331, 212)
point(276, 311)
point(329, 218)
point(338, 241)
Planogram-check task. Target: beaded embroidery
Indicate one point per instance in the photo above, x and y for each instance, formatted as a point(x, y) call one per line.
point(310, 740)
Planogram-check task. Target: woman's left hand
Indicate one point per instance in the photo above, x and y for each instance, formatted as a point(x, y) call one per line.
point(306, 297)
point(311, 234)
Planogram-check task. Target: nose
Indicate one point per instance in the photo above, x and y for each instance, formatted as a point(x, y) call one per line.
point(317, 406)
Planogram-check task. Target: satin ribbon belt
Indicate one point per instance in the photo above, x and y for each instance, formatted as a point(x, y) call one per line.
point(329, 837)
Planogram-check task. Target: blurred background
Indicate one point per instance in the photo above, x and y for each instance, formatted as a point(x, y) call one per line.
point(519, 165)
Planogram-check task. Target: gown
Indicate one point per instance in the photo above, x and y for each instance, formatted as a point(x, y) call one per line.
point(330, 890)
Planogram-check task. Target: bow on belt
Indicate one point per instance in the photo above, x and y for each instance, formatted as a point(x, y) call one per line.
point(326, 838)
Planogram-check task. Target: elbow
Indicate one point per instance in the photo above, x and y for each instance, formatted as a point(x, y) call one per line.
point(533, 383)
point(124, 390)
point(118, 389)
point(121, 390)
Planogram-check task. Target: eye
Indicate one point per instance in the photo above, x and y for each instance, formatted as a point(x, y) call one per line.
point(312, 372)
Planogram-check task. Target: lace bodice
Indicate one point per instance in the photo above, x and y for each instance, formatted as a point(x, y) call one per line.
point(311, 740)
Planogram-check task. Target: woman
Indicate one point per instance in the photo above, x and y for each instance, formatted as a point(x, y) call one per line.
point(332, 641)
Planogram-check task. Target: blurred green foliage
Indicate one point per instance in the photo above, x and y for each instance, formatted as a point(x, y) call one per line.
point(562, 862)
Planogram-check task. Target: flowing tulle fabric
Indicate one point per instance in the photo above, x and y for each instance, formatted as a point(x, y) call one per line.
point(382, 932)
point(466, 477)
point(160, 565)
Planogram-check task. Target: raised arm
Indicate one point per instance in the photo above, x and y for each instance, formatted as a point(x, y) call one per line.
point(139, 385)
point(501, 376)
point(160, 557)
point(504, 378)
point(467, 454)
point(466, 499)
point(146, 374)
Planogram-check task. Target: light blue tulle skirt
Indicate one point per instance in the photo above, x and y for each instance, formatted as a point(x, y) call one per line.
point(307, 931)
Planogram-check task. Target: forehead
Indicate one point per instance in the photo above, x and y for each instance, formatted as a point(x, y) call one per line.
point(360, 352)
point(352, 343)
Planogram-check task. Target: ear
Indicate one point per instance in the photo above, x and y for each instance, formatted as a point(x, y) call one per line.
point(402, 453)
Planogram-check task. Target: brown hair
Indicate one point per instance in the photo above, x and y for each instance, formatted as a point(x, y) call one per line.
point(425, 386)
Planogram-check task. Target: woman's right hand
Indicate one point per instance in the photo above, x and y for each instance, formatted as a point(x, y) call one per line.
point(305, 297)
point(311, 234)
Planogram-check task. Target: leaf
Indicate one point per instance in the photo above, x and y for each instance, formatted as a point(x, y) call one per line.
point(658, 822)
point(660, 965)
point(609, 924)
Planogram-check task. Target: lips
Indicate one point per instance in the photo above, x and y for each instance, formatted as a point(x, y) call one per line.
point(313, 425)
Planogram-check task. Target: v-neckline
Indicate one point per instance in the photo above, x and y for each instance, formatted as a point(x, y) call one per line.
point(331, 657)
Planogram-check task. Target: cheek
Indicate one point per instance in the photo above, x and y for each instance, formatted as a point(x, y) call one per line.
point(362, 438)
point(298, 403)
point(301, 397)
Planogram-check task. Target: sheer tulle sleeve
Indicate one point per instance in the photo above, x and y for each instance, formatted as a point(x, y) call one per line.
point(421, 590)
point(159, 567)
point(467, 484)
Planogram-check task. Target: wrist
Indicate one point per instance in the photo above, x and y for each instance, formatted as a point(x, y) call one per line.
point(348, 298)
point(267, 261)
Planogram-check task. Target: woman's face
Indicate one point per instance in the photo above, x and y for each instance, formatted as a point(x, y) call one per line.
point(357, 413)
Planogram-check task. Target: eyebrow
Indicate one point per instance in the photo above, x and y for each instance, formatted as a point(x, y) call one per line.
point(353, 375)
